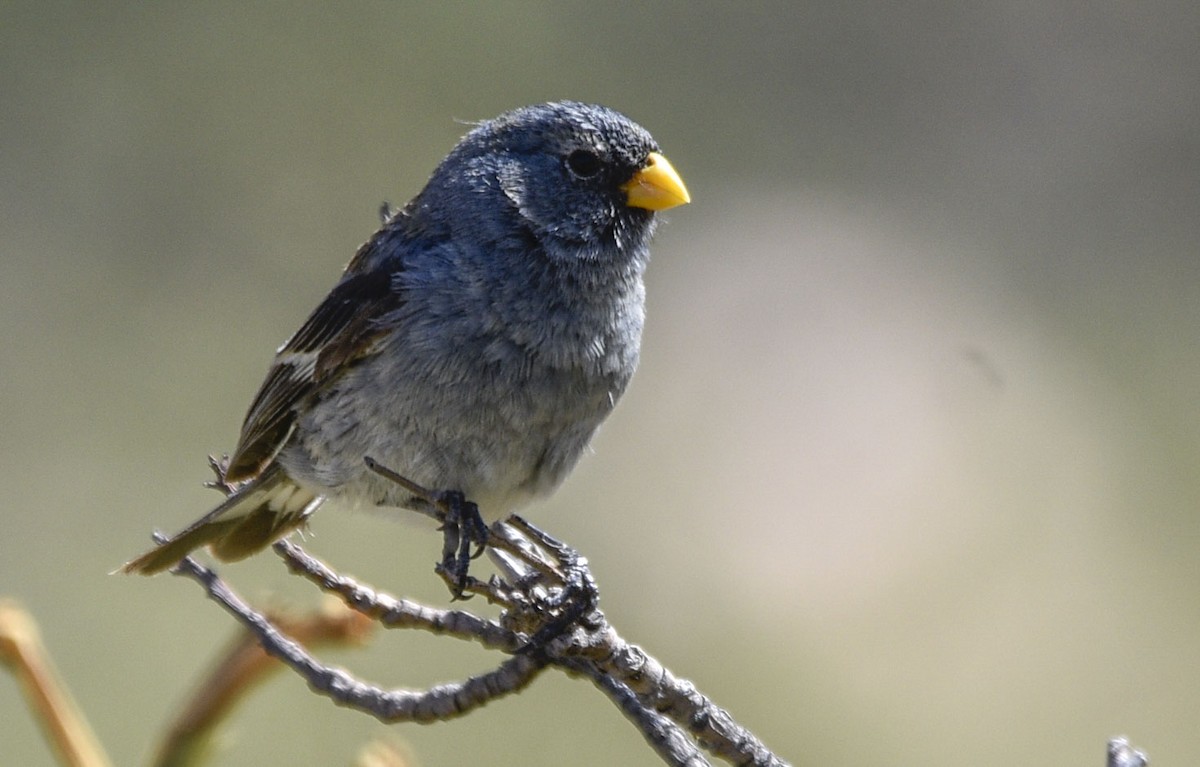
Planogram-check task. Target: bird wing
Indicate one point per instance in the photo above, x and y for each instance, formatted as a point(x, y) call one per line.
point(340, 332)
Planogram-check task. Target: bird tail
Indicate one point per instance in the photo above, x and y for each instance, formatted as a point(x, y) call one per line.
point(253, 517)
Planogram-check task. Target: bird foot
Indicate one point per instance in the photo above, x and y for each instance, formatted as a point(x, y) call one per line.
point(463, 529)
point(461, 526)
point(573, 601)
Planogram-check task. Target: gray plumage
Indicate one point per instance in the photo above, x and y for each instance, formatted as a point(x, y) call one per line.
point(474, 343)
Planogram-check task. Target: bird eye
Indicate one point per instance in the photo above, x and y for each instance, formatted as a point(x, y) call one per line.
point(583, 164)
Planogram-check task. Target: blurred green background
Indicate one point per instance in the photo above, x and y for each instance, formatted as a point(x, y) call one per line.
point(909, 475)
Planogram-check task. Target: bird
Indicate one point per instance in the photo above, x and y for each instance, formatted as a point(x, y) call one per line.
point(473, 344)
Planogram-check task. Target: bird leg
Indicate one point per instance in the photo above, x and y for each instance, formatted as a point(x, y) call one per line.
point(461, 526)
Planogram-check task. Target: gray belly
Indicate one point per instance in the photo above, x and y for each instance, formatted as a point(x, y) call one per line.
point(501, 433)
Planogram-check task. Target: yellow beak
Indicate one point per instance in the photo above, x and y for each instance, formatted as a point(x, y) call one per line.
point(656, 186)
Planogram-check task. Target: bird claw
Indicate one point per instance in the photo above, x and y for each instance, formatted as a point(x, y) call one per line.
point(577, 598)
point(461, 525)
point(464, 537)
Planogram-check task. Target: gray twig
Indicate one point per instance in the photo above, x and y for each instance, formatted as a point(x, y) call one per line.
point(679, 699)
point(666, 738)
point(549, 618)
point(397, 613)
point(438, 703)
point(1121, 754)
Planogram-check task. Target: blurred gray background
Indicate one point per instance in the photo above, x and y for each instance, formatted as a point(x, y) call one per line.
point(909, 475)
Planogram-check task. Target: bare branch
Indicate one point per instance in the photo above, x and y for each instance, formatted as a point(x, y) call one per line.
point(396, 613)
point(550, 618)
point(667, 738)
point(243, 666)
point(441, 702)
point(1121, 754)
point(678, 699)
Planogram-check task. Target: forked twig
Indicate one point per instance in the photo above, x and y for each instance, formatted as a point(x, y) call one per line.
point(549, 618)
point(441, 702)
point(240, 668)
point(540, 571)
